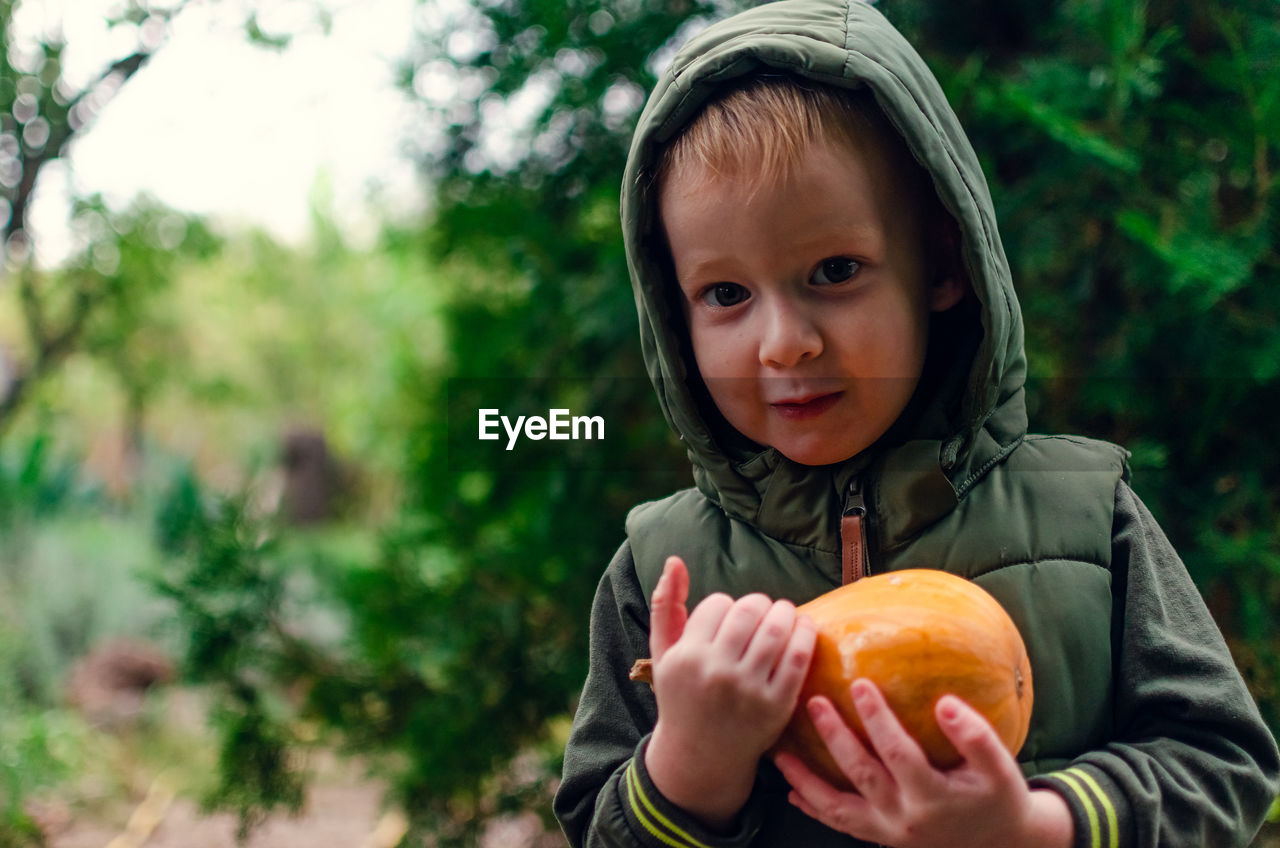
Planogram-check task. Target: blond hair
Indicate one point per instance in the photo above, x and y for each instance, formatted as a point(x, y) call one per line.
point(756, 132)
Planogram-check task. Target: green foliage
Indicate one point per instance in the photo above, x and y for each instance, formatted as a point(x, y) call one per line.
point(228, 593)
point(67, 581)
point(38, 750)
point(33, 482)
point(128, 266)
point(385, 649)
point(312, 334)
point(1131, 150)
point(29, 756)
point(254, 772)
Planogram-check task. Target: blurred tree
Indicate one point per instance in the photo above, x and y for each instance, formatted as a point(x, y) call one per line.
point(42, 112)
point(126, 267)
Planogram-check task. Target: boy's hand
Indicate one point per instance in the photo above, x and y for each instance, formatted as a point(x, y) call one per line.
point(903, 801)
point(726, 678)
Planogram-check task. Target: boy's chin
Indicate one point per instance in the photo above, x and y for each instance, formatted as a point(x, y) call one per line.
point(816, 455)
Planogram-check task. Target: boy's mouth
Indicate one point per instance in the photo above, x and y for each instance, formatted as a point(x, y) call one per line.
point(797, 409)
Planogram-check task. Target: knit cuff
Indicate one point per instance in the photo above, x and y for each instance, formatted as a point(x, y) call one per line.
point(661, 823)
point(1099, 811)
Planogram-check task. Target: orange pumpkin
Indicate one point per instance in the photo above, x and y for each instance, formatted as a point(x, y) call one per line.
point(918, 634)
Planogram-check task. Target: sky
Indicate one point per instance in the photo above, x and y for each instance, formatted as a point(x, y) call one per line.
point(216, 126)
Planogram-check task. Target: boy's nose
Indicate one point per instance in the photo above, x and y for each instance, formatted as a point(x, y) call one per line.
point(789, 337)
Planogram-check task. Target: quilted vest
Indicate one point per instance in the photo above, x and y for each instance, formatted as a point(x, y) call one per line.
point(1034, 531)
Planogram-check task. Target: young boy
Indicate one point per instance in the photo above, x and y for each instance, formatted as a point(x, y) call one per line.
point(831, 327)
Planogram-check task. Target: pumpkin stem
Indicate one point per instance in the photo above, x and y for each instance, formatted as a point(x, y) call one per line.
point(643, 671)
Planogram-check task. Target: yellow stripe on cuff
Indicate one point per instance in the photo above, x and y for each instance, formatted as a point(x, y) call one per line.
point(1107, 807)
point(1095, 837)
point(680, 840)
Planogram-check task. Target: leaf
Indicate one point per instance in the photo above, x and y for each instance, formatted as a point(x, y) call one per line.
point(1067, 131)
point(260, 37)
point(1214, 264)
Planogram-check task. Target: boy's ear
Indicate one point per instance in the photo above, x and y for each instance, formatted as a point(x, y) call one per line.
point(949, 285)
point(946, 291)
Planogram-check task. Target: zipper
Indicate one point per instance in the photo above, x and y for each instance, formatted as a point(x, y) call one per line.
point(853, 534)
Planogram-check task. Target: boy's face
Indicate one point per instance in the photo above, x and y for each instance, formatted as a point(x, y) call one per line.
point(807, 298)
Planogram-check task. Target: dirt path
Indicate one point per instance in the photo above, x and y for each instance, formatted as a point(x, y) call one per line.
point(139, 789)
point(343, 811)
point(342, 814)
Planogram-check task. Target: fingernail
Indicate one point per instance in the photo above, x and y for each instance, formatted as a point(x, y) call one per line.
point(862, 693)
point(947, 711)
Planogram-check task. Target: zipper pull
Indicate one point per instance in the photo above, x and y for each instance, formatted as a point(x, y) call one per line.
point(853, 534)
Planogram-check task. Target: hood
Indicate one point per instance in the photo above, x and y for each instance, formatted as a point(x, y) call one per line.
point(914, 482)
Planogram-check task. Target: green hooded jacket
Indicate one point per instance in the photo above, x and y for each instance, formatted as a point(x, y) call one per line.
point(1141, 721)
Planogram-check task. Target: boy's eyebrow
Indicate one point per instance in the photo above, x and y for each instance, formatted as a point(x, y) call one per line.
point(867, 240)
point(703, 269)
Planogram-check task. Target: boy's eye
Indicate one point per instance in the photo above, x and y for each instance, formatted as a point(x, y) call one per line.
point(837, 269)
point(725, 294)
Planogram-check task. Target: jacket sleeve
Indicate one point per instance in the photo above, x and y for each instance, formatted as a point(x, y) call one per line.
point(606, 797)
point(1191, 762)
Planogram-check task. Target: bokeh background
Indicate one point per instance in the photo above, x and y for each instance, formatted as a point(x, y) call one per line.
point(263, 260)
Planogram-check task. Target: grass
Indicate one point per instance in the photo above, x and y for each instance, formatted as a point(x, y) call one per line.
point(72, 574)
point(70, 582)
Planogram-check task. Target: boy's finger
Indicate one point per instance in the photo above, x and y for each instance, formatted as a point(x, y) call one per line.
point(804, 781)
point(770, 639)
point(867, 774)
point(707, 616)
point(974, 738)
point(793, 663)
point(741, 624)
point(813, 796)
point(667, 612)
point(901, 755)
